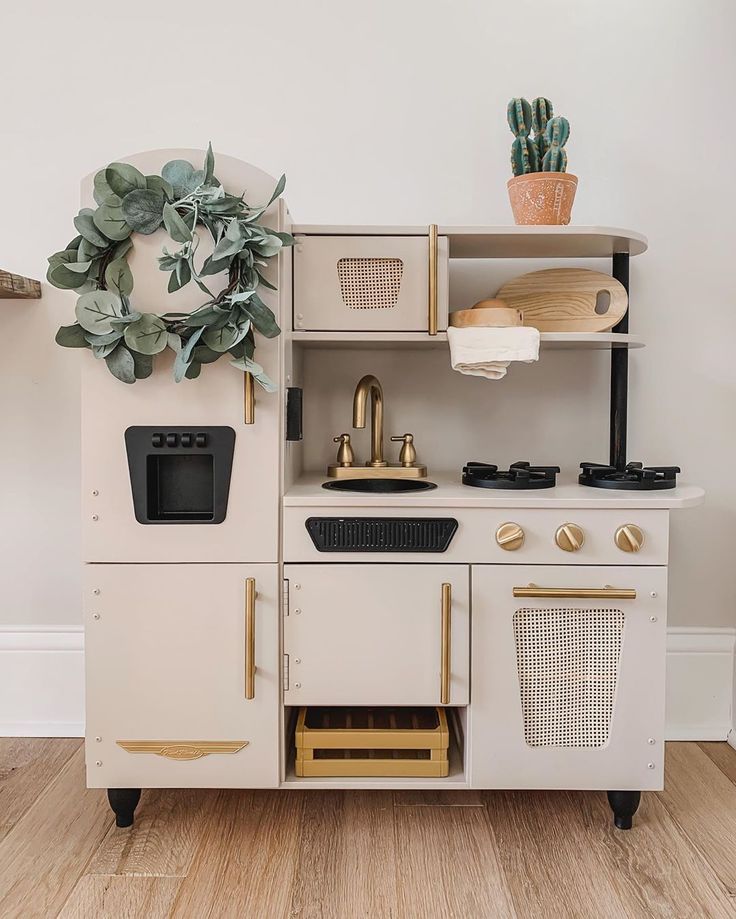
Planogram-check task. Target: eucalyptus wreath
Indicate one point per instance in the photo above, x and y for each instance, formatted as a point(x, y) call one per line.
point(95, 265)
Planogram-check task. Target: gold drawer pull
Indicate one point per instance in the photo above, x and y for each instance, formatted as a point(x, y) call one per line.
point(433, 257)
point(577, 593)
point(182, 750)
point(250, 638)
point(249, 396)
point(446, 629)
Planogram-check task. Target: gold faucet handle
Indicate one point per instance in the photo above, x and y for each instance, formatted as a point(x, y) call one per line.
point(408, 454)
point(345, 456)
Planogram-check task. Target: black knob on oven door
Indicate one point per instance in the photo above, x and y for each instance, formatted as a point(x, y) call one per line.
point(186, 440)
point(172, 440)
point(157, 440)
point(200, 440)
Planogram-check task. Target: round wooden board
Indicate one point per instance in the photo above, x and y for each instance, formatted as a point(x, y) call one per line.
point(564, 299)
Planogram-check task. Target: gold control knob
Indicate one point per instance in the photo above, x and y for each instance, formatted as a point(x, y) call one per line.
point(570, 537)
point(629, 538)
point(510, 536)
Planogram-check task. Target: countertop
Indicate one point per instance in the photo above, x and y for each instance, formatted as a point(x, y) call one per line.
point(450, 492)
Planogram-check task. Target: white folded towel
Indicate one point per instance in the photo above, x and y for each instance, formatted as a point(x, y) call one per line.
point(487, 352)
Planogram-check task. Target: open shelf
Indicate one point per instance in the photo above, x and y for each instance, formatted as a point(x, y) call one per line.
point(456, 778)
point(507, 241)
point(591, 341)
point(16, 287)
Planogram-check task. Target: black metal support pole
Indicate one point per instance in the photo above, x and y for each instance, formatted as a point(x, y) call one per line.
point(620, 374)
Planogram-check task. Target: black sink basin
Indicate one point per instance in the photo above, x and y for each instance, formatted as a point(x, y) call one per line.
point(379, 486)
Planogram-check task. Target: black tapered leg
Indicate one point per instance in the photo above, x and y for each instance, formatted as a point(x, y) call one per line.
point(124, 802)
point(624, 805)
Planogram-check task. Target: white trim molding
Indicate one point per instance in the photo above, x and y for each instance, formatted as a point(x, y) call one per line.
point(42, 682)
point(732, 733)
point(700, 683)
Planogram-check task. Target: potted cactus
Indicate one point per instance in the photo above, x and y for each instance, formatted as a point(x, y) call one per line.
point(541, 191)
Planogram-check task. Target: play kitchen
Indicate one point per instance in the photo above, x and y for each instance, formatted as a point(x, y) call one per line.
point(281, 590)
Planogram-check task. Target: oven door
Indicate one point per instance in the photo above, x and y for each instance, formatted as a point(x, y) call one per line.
point(568, 670)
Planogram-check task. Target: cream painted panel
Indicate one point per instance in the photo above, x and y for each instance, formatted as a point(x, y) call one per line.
point(475, 539)
point(499, 754)
point(165, 661)
point(318, 299)
point(110, 531)
point(371, 635)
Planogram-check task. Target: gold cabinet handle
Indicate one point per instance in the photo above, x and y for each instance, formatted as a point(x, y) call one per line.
point(250, 638)
point(446, 629)
point(433, 257)
point(249, 397)
point(577, 593)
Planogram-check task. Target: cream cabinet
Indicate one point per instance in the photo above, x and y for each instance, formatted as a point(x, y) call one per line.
point(111, 531)
point(377, 634)
point(183, 675)
point(368, 283)
point(568, 690)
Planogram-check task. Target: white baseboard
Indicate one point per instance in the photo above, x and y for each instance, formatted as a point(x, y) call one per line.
point(700, 683)
point(42, 683)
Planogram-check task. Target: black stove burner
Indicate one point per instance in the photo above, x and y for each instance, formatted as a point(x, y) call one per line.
point(518, 475)
point(635, 477)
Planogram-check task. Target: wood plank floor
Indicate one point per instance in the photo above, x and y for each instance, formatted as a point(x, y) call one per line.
point(340, 855)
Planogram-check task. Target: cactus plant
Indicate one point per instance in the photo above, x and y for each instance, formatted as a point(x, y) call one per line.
point(541, 113)
point(544, 151)
point(519, 115)
point(556, 134)
point(524, 156)
point(524, 152)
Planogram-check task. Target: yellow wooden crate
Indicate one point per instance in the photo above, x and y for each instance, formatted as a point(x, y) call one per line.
point(372, 742)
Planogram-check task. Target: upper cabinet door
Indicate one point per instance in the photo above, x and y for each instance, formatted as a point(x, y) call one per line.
point(367, 283)
point(183, 685)
point(181, 514)
point(185, 510)
point(377, 634)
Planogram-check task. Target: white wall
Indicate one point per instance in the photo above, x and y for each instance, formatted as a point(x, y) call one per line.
point(390, 112)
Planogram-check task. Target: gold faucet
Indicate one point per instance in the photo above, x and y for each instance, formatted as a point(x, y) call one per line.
point(369, 384)
point(376, 467)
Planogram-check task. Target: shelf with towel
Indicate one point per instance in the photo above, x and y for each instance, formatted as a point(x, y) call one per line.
point(570, 341)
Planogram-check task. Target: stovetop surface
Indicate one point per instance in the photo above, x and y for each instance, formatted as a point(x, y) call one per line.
point(634, 477)
point(520, 475)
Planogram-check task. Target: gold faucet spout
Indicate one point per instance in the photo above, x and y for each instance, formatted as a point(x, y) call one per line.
point(370, 385)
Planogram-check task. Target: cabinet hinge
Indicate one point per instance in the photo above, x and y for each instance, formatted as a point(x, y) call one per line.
point(286, 671)
point(285, 596)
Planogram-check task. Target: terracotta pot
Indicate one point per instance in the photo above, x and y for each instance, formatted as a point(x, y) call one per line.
point(542, 197)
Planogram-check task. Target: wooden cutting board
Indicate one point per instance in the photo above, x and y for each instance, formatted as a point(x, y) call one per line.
point(564, 299)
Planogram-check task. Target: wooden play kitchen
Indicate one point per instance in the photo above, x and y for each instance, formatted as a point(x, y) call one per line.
point(252, 621)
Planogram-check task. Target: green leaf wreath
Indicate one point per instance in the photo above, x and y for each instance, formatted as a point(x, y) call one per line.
point(94, 264)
